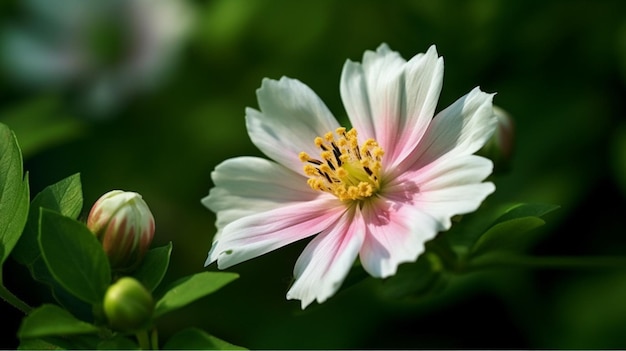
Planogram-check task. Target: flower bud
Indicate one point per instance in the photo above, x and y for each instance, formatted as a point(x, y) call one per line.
point(128, 305)
point(500, 147)
point(123, 223)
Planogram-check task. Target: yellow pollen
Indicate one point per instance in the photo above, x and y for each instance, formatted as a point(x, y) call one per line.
point(345, 169)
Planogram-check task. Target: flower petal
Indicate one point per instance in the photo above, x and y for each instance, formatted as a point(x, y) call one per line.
point(448, 172)
point(327, 259)
point(460, 129)
point(392, 100)
point(445, 203)
point(249, 185)
point(447, 187)
point(396, 233)
point(291, 116)
point(254, 235)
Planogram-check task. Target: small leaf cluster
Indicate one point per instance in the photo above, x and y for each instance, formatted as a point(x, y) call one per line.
point(67, 261)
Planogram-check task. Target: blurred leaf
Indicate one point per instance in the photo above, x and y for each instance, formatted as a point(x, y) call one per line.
point(64, 197)
point(197, 339)
point(154, 266)
point(72, 342)
point(511, 230)
point(191, 288)
point(38, 344)
point(74, 256)
point(14, 193)
point(39, 123)
point(49, 320)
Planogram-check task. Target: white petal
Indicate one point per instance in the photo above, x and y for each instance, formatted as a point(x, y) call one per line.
point(291, 116)
point(461, 129)
point(392, 100)
point(396, 233)
point(249, 185)
point(448, 172)
point(327, 259)
point(447, 187)
point(260, 233)
point(445, 203)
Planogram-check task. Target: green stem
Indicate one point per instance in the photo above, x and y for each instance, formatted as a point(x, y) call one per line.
point(551, 262)
point(143, 339)
point(154, 339)
point(14, 300)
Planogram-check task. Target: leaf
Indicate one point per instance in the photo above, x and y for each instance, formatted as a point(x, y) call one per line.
point(74, 256)
point(511, 230)
point(191, 288)
point(154, 266)
point(64, 197)
point(52, 320)
point(14, 193)
point(38, 344)
point(197, 339)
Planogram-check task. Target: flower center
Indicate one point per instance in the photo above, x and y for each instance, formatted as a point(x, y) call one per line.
point(345, 169)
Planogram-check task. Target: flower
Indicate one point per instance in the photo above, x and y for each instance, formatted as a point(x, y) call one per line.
point(106, 51)
point(122, 221)
point(377, 191)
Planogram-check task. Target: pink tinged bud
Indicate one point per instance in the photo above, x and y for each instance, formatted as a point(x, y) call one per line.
point(500, 147)
point(128, 305)
point(505, 132)
point(123, 223)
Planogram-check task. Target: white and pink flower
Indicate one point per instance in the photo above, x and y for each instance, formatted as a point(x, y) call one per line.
point(377, 191)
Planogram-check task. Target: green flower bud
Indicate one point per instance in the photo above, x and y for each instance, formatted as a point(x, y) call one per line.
point(500, 147)
point(128, 305)
point(123, 223)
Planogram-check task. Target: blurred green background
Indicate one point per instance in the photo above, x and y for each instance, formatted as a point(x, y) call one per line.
point(558, 67)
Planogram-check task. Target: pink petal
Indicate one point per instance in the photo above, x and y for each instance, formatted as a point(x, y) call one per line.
point(260, 233)
point(396, 233)
point(392, 100)
point(327, 259)
point(291, 116)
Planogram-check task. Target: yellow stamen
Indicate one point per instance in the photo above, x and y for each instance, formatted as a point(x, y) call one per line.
point(344, 169)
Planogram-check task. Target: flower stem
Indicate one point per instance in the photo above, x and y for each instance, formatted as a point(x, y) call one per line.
point(550, 262)
point(143, 339)
point(14, 300)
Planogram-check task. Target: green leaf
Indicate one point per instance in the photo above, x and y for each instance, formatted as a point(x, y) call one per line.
point(191, 288)
point(51, 320)
point(64, 197)
point(197, 339)
point(38, 344)
point(154, 266)
point(14, 193)
point(74, 256)
point(511, 231)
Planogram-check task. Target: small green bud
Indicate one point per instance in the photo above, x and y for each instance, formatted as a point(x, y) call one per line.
point(501, 145)
point(123, 223)
point(128, 305)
